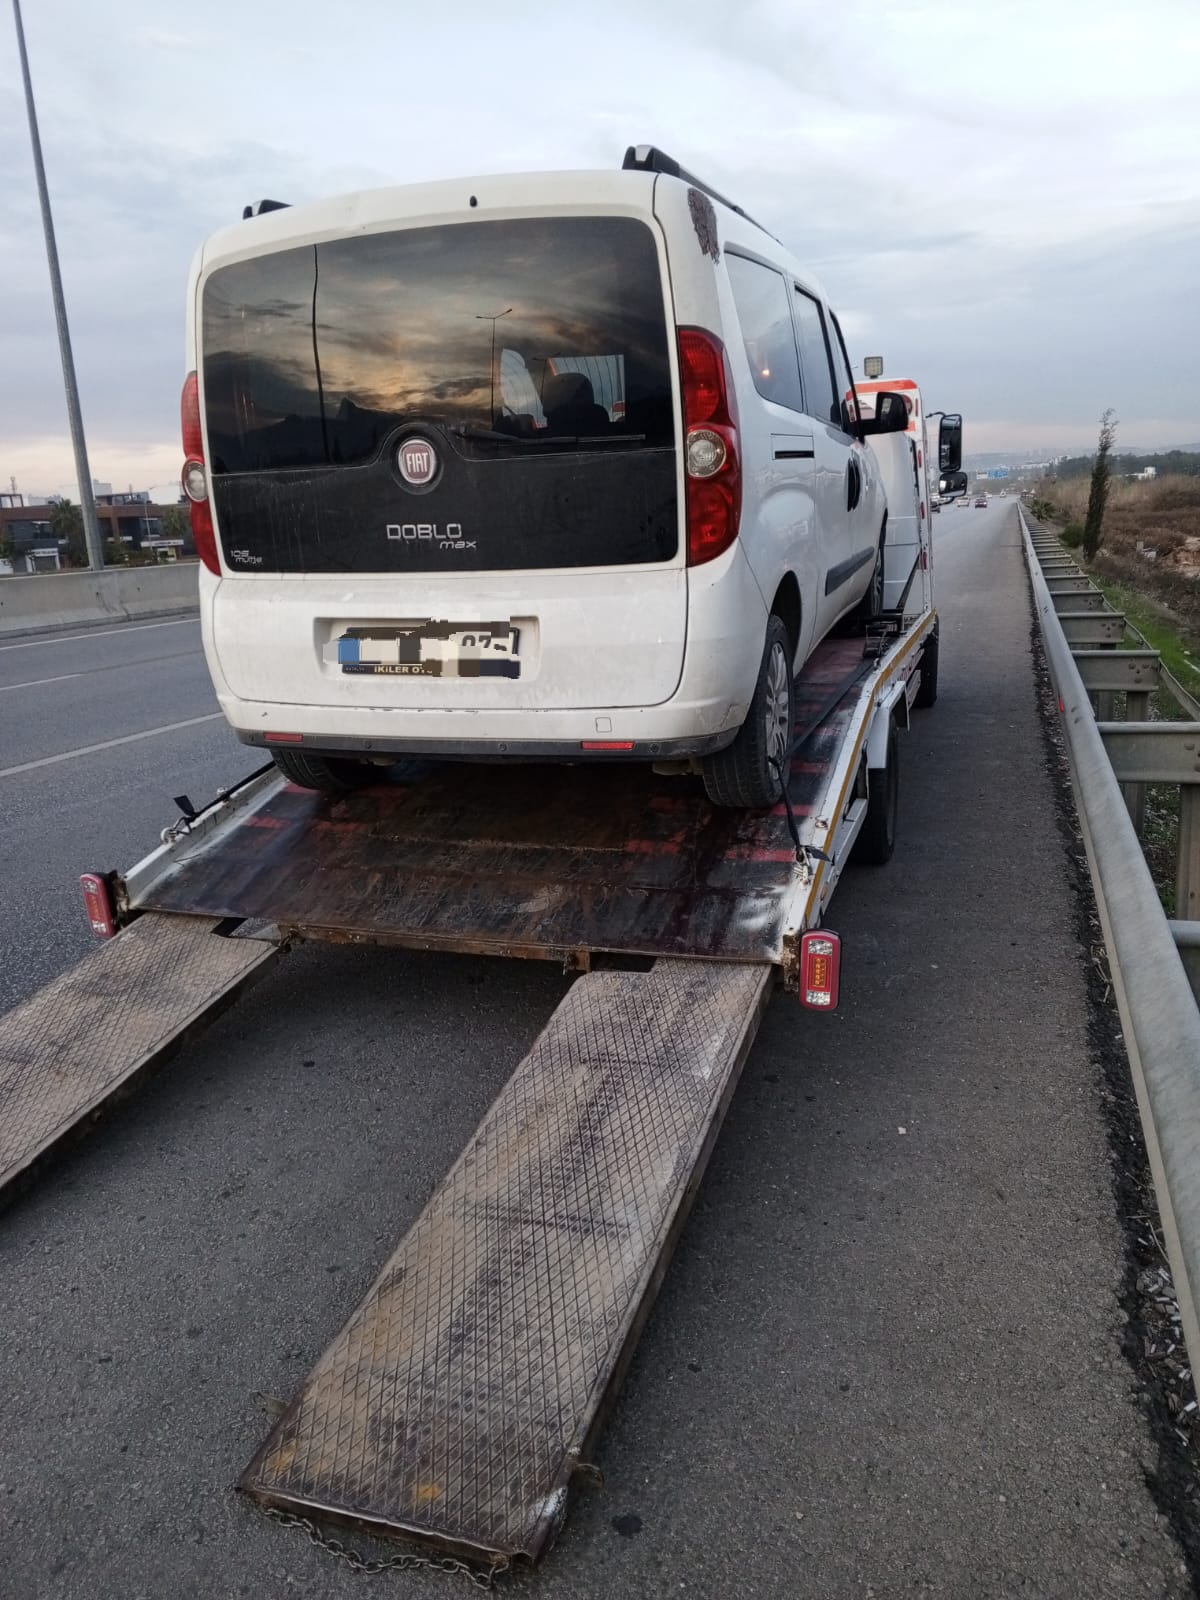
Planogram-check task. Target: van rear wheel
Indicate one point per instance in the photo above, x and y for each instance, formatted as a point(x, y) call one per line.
point(329, 774)
point(870, 608)
point(746, 774)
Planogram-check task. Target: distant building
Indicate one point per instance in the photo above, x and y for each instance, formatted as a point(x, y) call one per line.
point(131, 519)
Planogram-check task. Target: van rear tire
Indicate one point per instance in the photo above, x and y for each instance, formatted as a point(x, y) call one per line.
point(328, 774)
point(743, 776)
point(870, 608)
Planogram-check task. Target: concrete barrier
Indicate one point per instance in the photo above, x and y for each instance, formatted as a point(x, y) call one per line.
point(73, 599)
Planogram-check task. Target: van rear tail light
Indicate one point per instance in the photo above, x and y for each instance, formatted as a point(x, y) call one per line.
point(820, 970)
point(97, 899)
point(195, 475)
point(714, 468)
point(706, 453)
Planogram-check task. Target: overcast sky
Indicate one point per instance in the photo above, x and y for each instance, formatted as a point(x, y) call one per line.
point(1002, 199)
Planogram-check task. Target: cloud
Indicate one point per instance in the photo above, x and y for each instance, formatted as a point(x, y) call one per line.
point(1002, 199)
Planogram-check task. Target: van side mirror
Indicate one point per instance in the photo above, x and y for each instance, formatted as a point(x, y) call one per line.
point(950, 443)
point(891, 414)
point(952, 483)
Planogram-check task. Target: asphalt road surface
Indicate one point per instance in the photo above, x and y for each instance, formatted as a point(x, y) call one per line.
point(886, 1359)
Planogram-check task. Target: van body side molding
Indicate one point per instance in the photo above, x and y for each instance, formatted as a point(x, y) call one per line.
point(845, 570)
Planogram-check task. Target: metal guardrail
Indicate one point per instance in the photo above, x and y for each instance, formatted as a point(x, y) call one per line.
point(1160, 1011)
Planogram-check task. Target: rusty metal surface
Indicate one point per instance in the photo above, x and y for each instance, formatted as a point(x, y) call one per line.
point(520, 858)
point(462, 1394)
point(86, 1037)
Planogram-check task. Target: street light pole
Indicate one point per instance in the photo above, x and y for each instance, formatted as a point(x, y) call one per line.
point(87, 505)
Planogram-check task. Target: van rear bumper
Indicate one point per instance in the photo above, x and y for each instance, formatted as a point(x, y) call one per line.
point(502, 749)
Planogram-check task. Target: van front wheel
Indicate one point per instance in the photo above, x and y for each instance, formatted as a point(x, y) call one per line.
point(746, 774)
point(329, 774)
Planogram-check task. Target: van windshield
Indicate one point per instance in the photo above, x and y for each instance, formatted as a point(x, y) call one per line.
point(546, 332)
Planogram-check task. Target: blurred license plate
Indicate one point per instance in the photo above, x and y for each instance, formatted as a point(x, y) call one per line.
point(432, 650)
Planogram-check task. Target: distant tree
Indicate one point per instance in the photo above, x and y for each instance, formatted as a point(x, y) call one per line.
point(66, 522)
point(176, 522)
point(1093, 523)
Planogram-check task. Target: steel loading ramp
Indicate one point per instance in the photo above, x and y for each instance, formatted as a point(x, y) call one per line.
point(86, 1038)
point(467, 1388)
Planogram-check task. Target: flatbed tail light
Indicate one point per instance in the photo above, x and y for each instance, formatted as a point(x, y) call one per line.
point(712, 459)
point(195, 475)
point(97, 898)
point(820, 970)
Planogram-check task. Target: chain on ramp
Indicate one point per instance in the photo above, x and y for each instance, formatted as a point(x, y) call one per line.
point(464, 1393)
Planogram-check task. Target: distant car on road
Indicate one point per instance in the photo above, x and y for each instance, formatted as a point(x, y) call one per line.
point(981, 502)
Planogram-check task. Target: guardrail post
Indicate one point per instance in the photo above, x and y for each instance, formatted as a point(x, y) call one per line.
point(1187, 942)
point(1187, 870)
point(1137, 709)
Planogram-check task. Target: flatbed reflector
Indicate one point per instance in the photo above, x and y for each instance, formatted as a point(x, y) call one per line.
point(820, 969)
point(97, 898)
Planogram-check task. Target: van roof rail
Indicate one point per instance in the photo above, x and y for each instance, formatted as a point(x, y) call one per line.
point(259, 206)
point(649, 158)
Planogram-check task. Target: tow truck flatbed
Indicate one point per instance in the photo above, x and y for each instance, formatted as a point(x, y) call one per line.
point(466, 1391)
point(561, 863)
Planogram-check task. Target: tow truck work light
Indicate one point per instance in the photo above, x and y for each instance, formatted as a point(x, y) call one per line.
point(820, 968)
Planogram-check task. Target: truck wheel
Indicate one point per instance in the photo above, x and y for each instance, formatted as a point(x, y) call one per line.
point(877, 839)
point(743, 775)
point(329, 774)
point(928, 687)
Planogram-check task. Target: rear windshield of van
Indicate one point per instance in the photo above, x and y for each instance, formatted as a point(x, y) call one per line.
point(525, 335)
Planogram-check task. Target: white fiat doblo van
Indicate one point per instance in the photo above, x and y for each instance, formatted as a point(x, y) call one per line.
point(561, 467)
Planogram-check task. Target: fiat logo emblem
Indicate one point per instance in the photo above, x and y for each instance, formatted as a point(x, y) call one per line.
point(418, 462)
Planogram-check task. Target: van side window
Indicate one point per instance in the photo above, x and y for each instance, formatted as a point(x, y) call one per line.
point(814, 358)
point(761, 297)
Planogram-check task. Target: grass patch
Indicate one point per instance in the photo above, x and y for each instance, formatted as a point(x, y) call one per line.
point(1177, 645)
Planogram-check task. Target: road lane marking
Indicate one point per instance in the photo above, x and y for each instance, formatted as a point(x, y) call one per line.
point(35, 683)
point(97, 633)
point(109, 744)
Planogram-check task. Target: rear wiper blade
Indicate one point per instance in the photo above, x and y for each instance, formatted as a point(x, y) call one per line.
point(495, 436)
